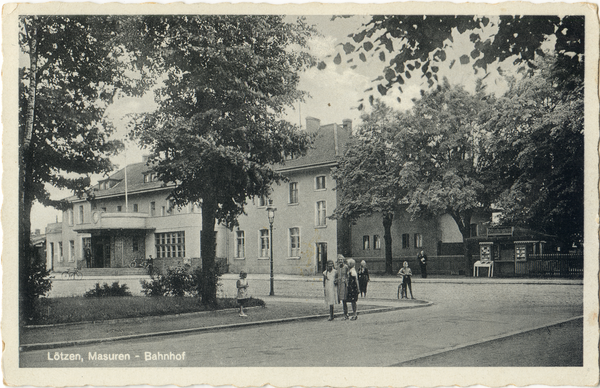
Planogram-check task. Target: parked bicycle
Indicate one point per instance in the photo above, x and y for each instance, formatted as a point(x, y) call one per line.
point(72, 273)
point(141, 263)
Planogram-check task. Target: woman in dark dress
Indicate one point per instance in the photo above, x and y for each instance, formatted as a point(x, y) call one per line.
point(363, 278)
point(352, 295)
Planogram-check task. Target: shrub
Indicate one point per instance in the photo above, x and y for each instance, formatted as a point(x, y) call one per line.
point(176, 282)
point(105, 291)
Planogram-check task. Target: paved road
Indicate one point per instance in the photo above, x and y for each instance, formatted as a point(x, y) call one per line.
point(462, 314)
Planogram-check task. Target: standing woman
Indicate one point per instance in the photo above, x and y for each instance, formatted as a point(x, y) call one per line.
point(329, 287)
point(363, 278)
point(342, 283)
point(352, 296)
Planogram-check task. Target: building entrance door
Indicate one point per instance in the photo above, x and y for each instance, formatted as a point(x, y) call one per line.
point(322, 256)
point(101, 253)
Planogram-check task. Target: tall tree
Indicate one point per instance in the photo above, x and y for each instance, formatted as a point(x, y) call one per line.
point(70, 77)
point(418, 45)
point(538, 135)
point(217, 132)
point(439, 145)
point(368, 174)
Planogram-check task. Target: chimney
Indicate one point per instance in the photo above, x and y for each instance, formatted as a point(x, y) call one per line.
point(145, 158)
point(347, 125)
point(312, 124)
point(37, 232)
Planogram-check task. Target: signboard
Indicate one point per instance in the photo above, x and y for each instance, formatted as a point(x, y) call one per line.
point(500, 231)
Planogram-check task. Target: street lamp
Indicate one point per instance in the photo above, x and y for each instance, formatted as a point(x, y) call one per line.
point(271, 215)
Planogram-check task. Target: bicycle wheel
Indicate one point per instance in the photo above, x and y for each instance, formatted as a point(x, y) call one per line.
point(132, 264)
point(65, 275)
point(78, 275)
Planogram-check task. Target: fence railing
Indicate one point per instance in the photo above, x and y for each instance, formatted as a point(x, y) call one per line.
point(551, 265)
point(544, 265)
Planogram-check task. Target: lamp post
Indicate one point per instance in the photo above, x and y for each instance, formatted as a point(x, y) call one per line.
point(271, 215)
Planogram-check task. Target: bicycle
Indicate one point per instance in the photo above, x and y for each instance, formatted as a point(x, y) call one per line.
point(72, 273)
point(143, 263)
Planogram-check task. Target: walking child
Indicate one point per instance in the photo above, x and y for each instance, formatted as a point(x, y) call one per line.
point(363, 278)
point(242, 292)
point(329, 287)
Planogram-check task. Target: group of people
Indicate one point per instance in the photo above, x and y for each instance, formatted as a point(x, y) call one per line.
point(343, 284)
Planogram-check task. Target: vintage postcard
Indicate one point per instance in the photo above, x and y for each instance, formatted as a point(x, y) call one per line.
point(368, 195)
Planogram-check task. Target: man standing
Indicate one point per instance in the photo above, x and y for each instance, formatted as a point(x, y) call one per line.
point(422, 259)
point(342, 283)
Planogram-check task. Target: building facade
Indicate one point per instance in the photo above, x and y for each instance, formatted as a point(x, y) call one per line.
point(303, 235)
point(128, 217)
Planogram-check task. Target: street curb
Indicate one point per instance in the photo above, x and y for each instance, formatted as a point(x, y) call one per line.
point(134, 319)
point(491, 339)
point(54, 345)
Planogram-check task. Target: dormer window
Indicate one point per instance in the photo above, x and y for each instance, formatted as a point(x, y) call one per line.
point(150, 177)
point(107, 184)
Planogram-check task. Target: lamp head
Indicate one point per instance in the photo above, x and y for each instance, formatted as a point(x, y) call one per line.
point(271, 214)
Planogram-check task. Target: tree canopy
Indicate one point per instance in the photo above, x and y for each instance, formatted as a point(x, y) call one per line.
point(539, 131)
point(217, 132)
point(72, 73)
point(367, 176)
point(418, 45)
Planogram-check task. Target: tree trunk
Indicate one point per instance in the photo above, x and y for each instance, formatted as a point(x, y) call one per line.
point(26, 295)
point(387, 237)
point(463, 221)
point(208, 286)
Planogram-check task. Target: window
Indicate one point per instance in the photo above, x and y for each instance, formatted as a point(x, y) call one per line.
point(366, 243)
point(294, 242)
point(71, 217)
point(81, 214)
point(321, 213)
point(405, 241)
point(170, 244)
point(376, 242)
point(71, 251)
point(104, 209)
point(264, 243)
point(152, 209)
point(136, 245)
point(52, 251)
point(119, 208)
point(262, 201)
point(474, 230)
point(163, 211)
point(60, 252)
point(150, 177)
point(240, 246)
point(320, 183)
point(293, 192)
point(135, 207)
point(418, 240)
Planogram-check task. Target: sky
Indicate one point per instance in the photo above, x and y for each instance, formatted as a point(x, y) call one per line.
point(334, 92)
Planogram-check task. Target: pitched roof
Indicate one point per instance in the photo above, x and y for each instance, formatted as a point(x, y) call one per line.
point(328, 146)
point(135, 182)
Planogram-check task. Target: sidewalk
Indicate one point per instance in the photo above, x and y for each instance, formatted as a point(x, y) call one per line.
point(430, 279)
point(277, 310)
point(373, 278)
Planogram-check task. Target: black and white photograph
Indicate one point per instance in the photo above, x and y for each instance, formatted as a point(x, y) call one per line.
point(300, 195)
